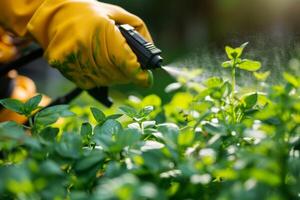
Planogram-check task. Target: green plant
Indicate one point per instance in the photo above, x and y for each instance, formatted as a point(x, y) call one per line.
point(211, 141)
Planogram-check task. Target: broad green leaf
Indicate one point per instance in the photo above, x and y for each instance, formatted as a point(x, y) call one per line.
point(265, 176)
point(110, 127)
point(32, 104)
point(13, 105)
point(146, 111)
point(173, 87)
point(49, 133)
point(11, 130)
point(228, 174)
point(104, 135)
point(249, 65)
point(214, 129)
point(148, 124)
point(250, 100)
point(98, 115)
point(115, 116)
point(155, 160)
point(229, 50)
point(262, 99)
point(70, 146)
point(50, 168)
point(186, 138)
point(227, 64)
point(226, 89)
point(86, 130)
point(170, 133)
point(262, 76)
point(50, 115)
point(90, 160)
point(129, 111)
point(213, 82)
point(149, 145)
point(268, 112)
point(127, 137)
point(203, 106)
point(152, 99)
point(216, 93)
point(233, 53)
point(244, 45)
point(291, 79)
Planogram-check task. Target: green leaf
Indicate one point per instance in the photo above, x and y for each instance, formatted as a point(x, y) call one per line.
point(98, 115)
point(214, 129)
point(11, 130)
point(13, 105)
point(250, 100)
point(145, 111)
point(127, 137)
point(170, 133)
point(115, 116)
point(173, 87)
point(227, 64)
point(213, 82)
point(86, 130)
point(148, 124)
point(243, 46)
point(69, 146)
point(89, 161)
point(291, 79)
point(249, 65)
point(262, 76)
point(229, 50)
point(32, 104)
point(49, 133)
point(129, 111)
point(50, 115)
point(234, 53)
point(110, 127)
point(50, 168)
point(104, 134)
point(226, 89)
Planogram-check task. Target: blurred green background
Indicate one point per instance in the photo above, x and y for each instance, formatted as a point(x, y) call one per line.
point(193, 33)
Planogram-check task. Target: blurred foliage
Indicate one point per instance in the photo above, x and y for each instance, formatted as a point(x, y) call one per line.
point(213, 140)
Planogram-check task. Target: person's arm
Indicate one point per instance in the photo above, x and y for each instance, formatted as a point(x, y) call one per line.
point(80, 38)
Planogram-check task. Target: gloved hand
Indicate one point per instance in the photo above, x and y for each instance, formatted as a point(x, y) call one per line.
point(80, 39)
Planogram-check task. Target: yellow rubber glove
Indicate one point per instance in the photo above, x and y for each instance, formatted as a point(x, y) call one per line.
point(80, 39)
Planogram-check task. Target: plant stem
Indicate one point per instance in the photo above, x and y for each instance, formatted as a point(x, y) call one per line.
point(233, 83)
point(30, 122)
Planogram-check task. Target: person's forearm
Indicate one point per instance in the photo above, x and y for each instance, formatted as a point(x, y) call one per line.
point(15, 14)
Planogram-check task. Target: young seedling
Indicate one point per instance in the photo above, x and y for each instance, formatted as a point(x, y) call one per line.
point(237, 62)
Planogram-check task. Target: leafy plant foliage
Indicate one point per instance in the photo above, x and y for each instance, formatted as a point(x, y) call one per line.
point(210, 142)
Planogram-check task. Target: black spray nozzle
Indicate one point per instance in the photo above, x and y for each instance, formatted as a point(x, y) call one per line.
point(148, 55)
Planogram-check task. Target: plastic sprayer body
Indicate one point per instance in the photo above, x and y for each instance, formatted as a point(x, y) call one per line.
point(148, 55)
